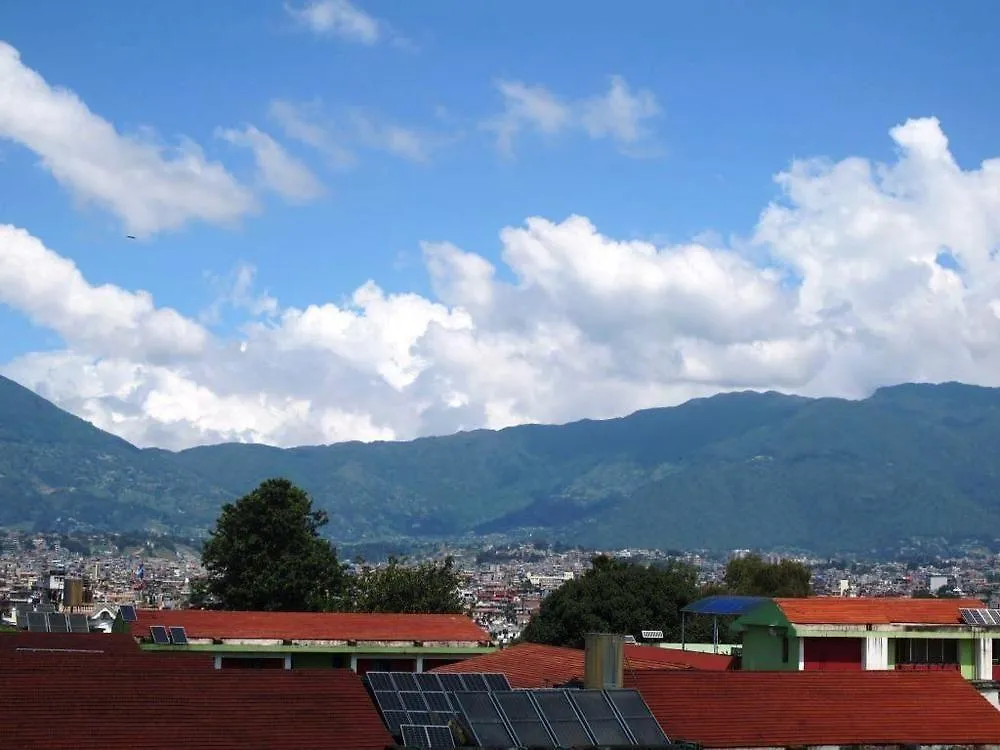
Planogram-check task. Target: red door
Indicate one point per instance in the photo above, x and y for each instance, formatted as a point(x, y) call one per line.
point(834, 654)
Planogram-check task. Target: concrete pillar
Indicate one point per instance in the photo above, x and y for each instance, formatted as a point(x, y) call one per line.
point(288, 661)
point(876, 654)
point(984, 658)
point(802, 654)
point(354, 662)
point(420, 664)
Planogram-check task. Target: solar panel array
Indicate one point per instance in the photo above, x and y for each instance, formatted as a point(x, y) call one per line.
point(128, 612)
point(492, 714)
point(981, 617)
point(56, 622)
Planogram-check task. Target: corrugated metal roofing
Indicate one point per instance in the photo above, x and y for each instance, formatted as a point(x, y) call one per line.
point(532, 665)
point(328, 626)
point(785, 709)
point(108, 642)
point(141, 709)
point(835, 610)
point(725, 605)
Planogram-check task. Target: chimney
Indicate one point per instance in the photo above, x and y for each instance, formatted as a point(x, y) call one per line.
point(604, 661)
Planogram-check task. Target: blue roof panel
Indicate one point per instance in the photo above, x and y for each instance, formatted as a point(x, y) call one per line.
point(724, 604)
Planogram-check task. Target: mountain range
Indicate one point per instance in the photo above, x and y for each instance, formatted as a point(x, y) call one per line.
point(735, 470)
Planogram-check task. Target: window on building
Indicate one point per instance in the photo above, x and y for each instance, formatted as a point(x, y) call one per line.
point(926, 651)
point(236, 662)
point(784, 650)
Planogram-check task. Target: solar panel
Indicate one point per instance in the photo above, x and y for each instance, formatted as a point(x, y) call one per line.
point(159, 633)
point(561, 718)
point(981, 617)
point(601, 719)
point(427, 737)
point(178, 636)
point(428, 681)
point(522, 715)
point(45, 607)
point(439, 737)
point(58, 622)
point(496, 681)
point(638, 719)
point(388, 700)
point(474, 682)
point(422, 717)
point(484, 720)
point(395, 719)
point(38, 622)
point(79, 624)
point(404, 681)
point(413, 700)
point(379, 681)
point(438, 701)
point(128, 612)
point(414, 736)
point(452, 682)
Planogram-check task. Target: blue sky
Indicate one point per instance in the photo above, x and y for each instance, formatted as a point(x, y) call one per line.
point(734, 92)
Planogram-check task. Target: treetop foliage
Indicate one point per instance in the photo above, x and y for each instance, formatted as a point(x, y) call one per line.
point(426, 588)
point(615, 596)
point(266, 553)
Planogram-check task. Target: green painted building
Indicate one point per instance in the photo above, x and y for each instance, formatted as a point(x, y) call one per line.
point(853, 634)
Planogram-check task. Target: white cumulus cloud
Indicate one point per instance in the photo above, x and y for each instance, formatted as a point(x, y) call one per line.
point(874, 274)
point(148, 186)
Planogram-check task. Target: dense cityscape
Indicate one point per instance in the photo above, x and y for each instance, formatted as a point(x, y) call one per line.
point(502, 586)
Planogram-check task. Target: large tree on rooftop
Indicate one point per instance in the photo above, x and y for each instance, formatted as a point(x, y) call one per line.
point(266, 553)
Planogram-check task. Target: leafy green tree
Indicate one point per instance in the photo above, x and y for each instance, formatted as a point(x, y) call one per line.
point(617, 597)
point(752, 576)
point(428, 588)
point(266, 553)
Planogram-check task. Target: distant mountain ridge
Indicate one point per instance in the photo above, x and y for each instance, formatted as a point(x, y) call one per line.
point(734, 470)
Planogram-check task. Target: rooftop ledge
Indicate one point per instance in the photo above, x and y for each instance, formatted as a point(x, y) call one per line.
point(282, 648)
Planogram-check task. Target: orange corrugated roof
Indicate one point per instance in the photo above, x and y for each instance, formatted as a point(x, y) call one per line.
point(134, 708)
point(834, 610)
point(783, 709)
point(533, 665)
point(330, 626)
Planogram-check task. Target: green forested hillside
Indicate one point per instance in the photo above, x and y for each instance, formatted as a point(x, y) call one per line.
point(735, 470)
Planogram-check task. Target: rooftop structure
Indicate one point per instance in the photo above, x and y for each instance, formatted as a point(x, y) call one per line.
point(164, 702)
point(852, 634)
point(532, 665)
point(311, 639)
point(774, 709)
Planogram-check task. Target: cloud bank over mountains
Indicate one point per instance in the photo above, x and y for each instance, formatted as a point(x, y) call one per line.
point(860, 274)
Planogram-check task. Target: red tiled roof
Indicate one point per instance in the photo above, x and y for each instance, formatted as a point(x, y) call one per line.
point(783, 709)
point(107, 642)
point(532, 665)
point(210, 710)
point(328, 626)
point(833, 610)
